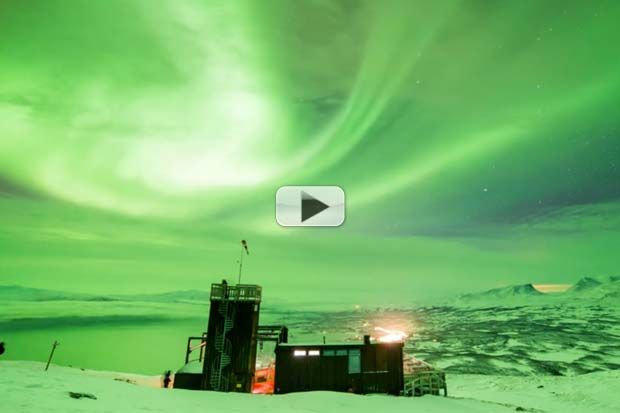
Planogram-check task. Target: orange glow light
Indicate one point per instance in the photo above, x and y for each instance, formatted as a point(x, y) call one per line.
point(390, 336)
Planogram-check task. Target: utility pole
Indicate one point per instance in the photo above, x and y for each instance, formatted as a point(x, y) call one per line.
point(244, 247)
point(49, 360)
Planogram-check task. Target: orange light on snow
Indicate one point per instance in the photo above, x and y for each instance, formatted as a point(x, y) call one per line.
point(264, 380)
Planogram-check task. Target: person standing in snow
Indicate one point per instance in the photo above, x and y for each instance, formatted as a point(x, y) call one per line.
point(167, 378)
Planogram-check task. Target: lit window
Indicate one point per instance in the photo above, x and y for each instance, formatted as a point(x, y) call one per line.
point(314, 352)
point(298, 353)
point(329, 353)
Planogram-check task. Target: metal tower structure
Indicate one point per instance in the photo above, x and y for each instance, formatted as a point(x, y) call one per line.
point(232, 333)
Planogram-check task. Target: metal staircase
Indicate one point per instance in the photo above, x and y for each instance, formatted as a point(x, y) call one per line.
point(223, 347)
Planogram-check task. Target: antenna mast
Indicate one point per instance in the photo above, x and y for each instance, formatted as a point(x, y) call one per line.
point(244, 247)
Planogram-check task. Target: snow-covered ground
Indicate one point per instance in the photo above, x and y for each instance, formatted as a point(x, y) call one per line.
point(594, 392)
point(26, 387)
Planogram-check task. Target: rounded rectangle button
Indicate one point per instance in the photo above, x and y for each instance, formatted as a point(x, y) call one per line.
point(310, 206)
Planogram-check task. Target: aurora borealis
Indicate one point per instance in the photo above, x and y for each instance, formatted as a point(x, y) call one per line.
point(477, 143)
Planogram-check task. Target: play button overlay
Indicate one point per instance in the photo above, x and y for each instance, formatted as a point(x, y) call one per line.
point(310, 206)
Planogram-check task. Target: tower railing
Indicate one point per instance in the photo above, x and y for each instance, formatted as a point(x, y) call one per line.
point(241, 292)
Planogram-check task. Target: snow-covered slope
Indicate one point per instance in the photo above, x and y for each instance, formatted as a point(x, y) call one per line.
point(594, 392)
point(26, 388)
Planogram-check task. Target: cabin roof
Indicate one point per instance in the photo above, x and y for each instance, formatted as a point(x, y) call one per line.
point(321, 345)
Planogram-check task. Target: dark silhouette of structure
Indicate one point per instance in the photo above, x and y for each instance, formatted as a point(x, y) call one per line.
point(2, 348)
point(367, 367)
point(227, 354)
point(230, 356)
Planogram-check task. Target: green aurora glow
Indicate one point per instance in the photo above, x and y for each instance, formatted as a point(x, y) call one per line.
point(477, 143)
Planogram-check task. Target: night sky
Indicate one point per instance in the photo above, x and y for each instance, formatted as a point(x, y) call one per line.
point(478, 144)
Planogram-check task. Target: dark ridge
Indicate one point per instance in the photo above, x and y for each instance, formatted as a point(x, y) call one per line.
point(586, 283)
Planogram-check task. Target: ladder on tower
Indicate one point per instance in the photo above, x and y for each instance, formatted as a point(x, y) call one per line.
point(223, 348)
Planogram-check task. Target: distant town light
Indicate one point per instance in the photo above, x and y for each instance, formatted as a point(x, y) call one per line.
point(552, 288)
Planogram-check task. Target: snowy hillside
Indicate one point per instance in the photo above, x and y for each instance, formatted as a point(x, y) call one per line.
point(604, 289)
point(25, 388)
point(514, 294)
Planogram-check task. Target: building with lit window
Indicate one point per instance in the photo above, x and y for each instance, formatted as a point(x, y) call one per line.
point(223, 358)
point(366, 367)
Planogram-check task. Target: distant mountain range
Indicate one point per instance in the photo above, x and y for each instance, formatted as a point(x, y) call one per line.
point(605, 290)
point(602, 290)
point(524, 290)
point(17, 293)
point(588, 283)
